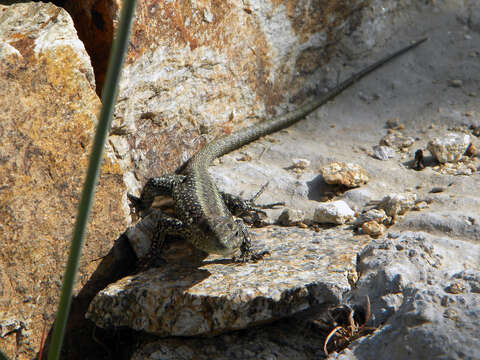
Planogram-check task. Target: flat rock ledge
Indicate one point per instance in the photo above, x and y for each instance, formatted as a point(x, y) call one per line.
point(303, 267)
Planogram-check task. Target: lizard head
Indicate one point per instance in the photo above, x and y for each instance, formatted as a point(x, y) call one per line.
point(225, 235)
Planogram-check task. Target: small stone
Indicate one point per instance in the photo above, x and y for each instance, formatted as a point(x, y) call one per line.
point(300, 163)
point(397, 204)
point(456, 83)
point(377, 215)
point(373, 228)
point(420, 206)
point(437, 189)
point(347, 174)
point(449, 148)
point(383, 152)
point(456, 287)
point(335, 212)
point(392, 123)
point(290, 217)
point(245, 157)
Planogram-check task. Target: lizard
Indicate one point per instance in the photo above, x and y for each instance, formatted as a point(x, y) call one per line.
point(204, 214)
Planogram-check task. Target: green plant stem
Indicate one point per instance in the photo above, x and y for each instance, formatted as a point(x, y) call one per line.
point(117, 56)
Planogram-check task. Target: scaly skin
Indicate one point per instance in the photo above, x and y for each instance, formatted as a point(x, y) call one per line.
point(202, 216)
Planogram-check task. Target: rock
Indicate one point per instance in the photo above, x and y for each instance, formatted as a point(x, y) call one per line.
point(397, 204)
point(49, 111)
point(335, 212)
point(300, 163)
point(377, 215)
point(373, 228)
point(383, 152)
point(456, 83)
point(397, 140)
point(449, 148)
point(424, 288)
point(183, 84)
point(347, 174)
point(220, 296)
point(290, 217)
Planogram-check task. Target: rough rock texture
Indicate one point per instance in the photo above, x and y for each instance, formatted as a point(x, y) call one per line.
point(335, 212)
point(425, 290)
point(302, 268)
point(49, 107)
point(197, 70)
point(346, 174)
point(449, 148)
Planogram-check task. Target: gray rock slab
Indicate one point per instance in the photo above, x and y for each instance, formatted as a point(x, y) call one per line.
point(303, 266)
point(425, 298)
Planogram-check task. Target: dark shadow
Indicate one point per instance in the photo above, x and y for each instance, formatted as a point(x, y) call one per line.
point(428, 161)
point(83, 340)
point(319, 190)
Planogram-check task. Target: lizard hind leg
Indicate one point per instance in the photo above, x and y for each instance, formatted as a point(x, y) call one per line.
point(156, 186)
point(251, 212)
point(246, 253)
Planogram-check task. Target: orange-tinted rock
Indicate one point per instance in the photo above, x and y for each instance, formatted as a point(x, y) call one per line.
point(49, 108)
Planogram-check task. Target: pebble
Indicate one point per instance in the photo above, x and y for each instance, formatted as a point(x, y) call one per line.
point(456, 83)
point(397, 204)
point(383, 152)
point(449, 148)
point(290, 217)
point(300, 163)
point(335, 212)
point(347, 174)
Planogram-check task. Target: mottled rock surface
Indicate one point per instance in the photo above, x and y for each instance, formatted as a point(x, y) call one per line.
point(335, 212)
point(49, 108)
point(449, 148)
point(303, 267)
point(346, 174)
point(425, 290)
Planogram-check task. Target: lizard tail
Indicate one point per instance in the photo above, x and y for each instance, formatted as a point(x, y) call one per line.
point(234, 141)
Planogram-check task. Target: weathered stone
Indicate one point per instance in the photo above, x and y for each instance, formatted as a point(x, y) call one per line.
point(47, 121)
point(377, 215)
point(335, 212)
point(184, 83)
point(383, 152)
point(290, 217)
point(300, 163)
point(405, 277)
point(397, 140)
point(347, 174)
point(219, 296)
point(449, 148)
point(397, 204)
point(373, 228)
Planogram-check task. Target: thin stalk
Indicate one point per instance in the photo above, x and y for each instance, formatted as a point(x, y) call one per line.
point(109, 94)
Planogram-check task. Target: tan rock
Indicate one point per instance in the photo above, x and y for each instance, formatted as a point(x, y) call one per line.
point(373, 228)
point(216, 295)
point(347, 174)
point(49, 108)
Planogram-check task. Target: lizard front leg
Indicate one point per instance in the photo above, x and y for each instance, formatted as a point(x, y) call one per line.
point(154, 227)
point(248, 210)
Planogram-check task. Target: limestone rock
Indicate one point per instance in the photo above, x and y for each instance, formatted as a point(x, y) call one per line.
point(290, 217)
point(347, 174)
point(382, 152)
point(377, 215)
point(397, 204)
point(449, 148)
point(219, 296)
point(47, 121)
point(424, 288)
point(335, 212)
point(373, 228)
